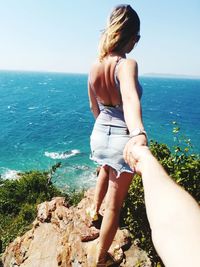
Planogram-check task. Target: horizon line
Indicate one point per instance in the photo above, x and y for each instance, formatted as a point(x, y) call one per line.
point(148, 74)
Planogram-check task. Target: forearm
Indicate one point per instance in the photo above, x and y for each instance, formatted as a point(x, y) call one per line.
point(159, 186)
point(129, 86)
point(133, 114)
point(173, 215)
point(94, 107)
point(95, 111)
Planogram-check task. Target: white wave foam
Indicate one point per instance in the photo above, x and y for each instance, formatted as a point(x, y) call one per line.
point(75, 176)
point(32, 107)
point(10, 174)
point(42, 83)
point(63, 155)
point(82, 167)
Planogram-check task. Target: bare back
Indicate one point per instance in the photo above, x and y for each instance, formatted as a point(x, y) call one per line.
point(103, 82)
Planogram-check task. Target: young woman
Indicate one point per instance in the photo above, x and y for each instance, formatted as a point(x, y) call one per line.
point(114, 94)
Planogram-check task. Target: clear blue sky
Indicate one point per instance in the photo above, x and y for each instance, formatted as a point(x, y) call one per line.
point(63, 35)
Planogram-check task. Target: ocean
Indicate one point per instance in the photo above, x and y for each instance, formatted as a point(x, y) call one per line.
point(45, 119)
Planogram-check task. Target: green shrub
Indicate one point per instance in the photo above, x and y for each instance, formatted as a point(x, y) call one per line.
point(75, 196)
point(31, 188)
point(183, 166)
point(18, 201)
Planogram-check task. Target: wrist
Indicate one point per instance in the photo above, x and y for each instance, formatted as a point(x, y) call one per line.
point(143, 156)
point(147, 162)
point(137, 131)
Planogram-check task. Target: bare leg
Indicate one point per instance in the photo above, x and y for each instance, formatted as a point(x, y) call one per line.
point(117, 191)
point(101, 187)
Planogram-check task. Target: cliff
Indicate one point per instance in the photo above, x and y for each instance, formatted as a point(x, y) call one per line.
point(64, 236)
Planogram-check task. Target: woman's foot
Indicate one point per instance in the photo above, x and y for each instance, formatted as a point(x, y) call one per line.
point(111, 258)
point(92, 213)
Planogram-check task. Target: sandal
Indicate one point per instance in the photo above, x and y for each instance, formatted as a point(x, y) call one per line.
point(112, 259)
point(92, 214)
point(109, 261)
point(117, 254)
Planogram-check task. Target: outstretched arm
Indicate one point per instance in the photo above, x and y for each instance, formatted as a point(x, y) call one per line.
point(129, 86)
point(128, 77)
point(174, 216)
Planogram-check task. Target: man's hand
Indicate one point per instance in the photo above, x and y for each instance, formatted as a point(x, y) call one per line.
point(136, 155)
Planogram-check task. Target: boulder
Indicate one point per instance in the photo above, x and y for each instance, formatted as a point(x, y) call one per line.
point(64, 236)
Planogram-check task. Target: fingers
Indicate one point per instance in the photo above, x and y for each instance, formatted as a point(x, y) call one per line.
point(132, 162)
point(133, 151)
point(139, 140)
point(127, 150)
point(128, 157)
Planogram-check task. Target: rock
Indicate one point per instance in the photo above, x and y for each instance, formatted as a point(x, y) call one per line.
point(64, 236)
point(134, 256)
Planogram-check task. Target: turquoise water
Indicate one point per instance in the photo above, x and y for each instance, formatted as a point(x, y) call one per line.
point(45, 118)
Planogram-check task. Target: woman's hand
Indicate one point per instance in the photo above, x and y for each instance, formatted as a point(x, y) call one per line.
point(139, 140)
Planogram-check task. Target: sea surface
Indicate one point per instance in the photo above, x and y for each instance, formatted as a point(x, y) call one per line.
point(45, 119)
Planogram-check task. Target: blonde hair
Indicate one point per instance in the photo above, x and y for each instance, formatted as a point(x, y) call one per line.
point(123, 24)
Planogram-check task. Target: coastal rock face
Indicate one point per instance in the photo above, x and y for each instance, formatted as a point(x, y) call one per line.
point(64, 236)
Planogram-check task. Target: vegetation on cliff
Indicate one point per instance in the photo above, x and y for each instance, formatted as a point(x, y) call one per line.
point(19, 199)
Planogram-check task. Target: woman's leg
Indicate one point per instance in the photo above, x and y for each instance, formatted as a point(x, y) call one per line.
point(117, 191)
point(101, 187)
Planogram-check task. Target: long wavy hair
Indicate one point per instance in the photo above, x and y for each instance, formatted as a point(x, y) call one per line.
point(122, 25)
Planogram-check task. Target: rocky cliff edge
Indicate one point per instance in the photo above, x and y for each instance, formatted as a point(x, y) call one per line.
point(64, 236)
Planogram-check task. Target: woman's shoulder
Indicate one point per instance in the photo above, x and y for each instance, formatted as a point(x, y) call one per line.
point(96, 71)
point(128, 62)
point(128, 66)
point(96, 64)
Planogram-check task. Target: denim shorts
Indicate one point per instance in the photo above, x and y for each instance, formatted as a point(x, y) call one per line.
point(107, 144)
